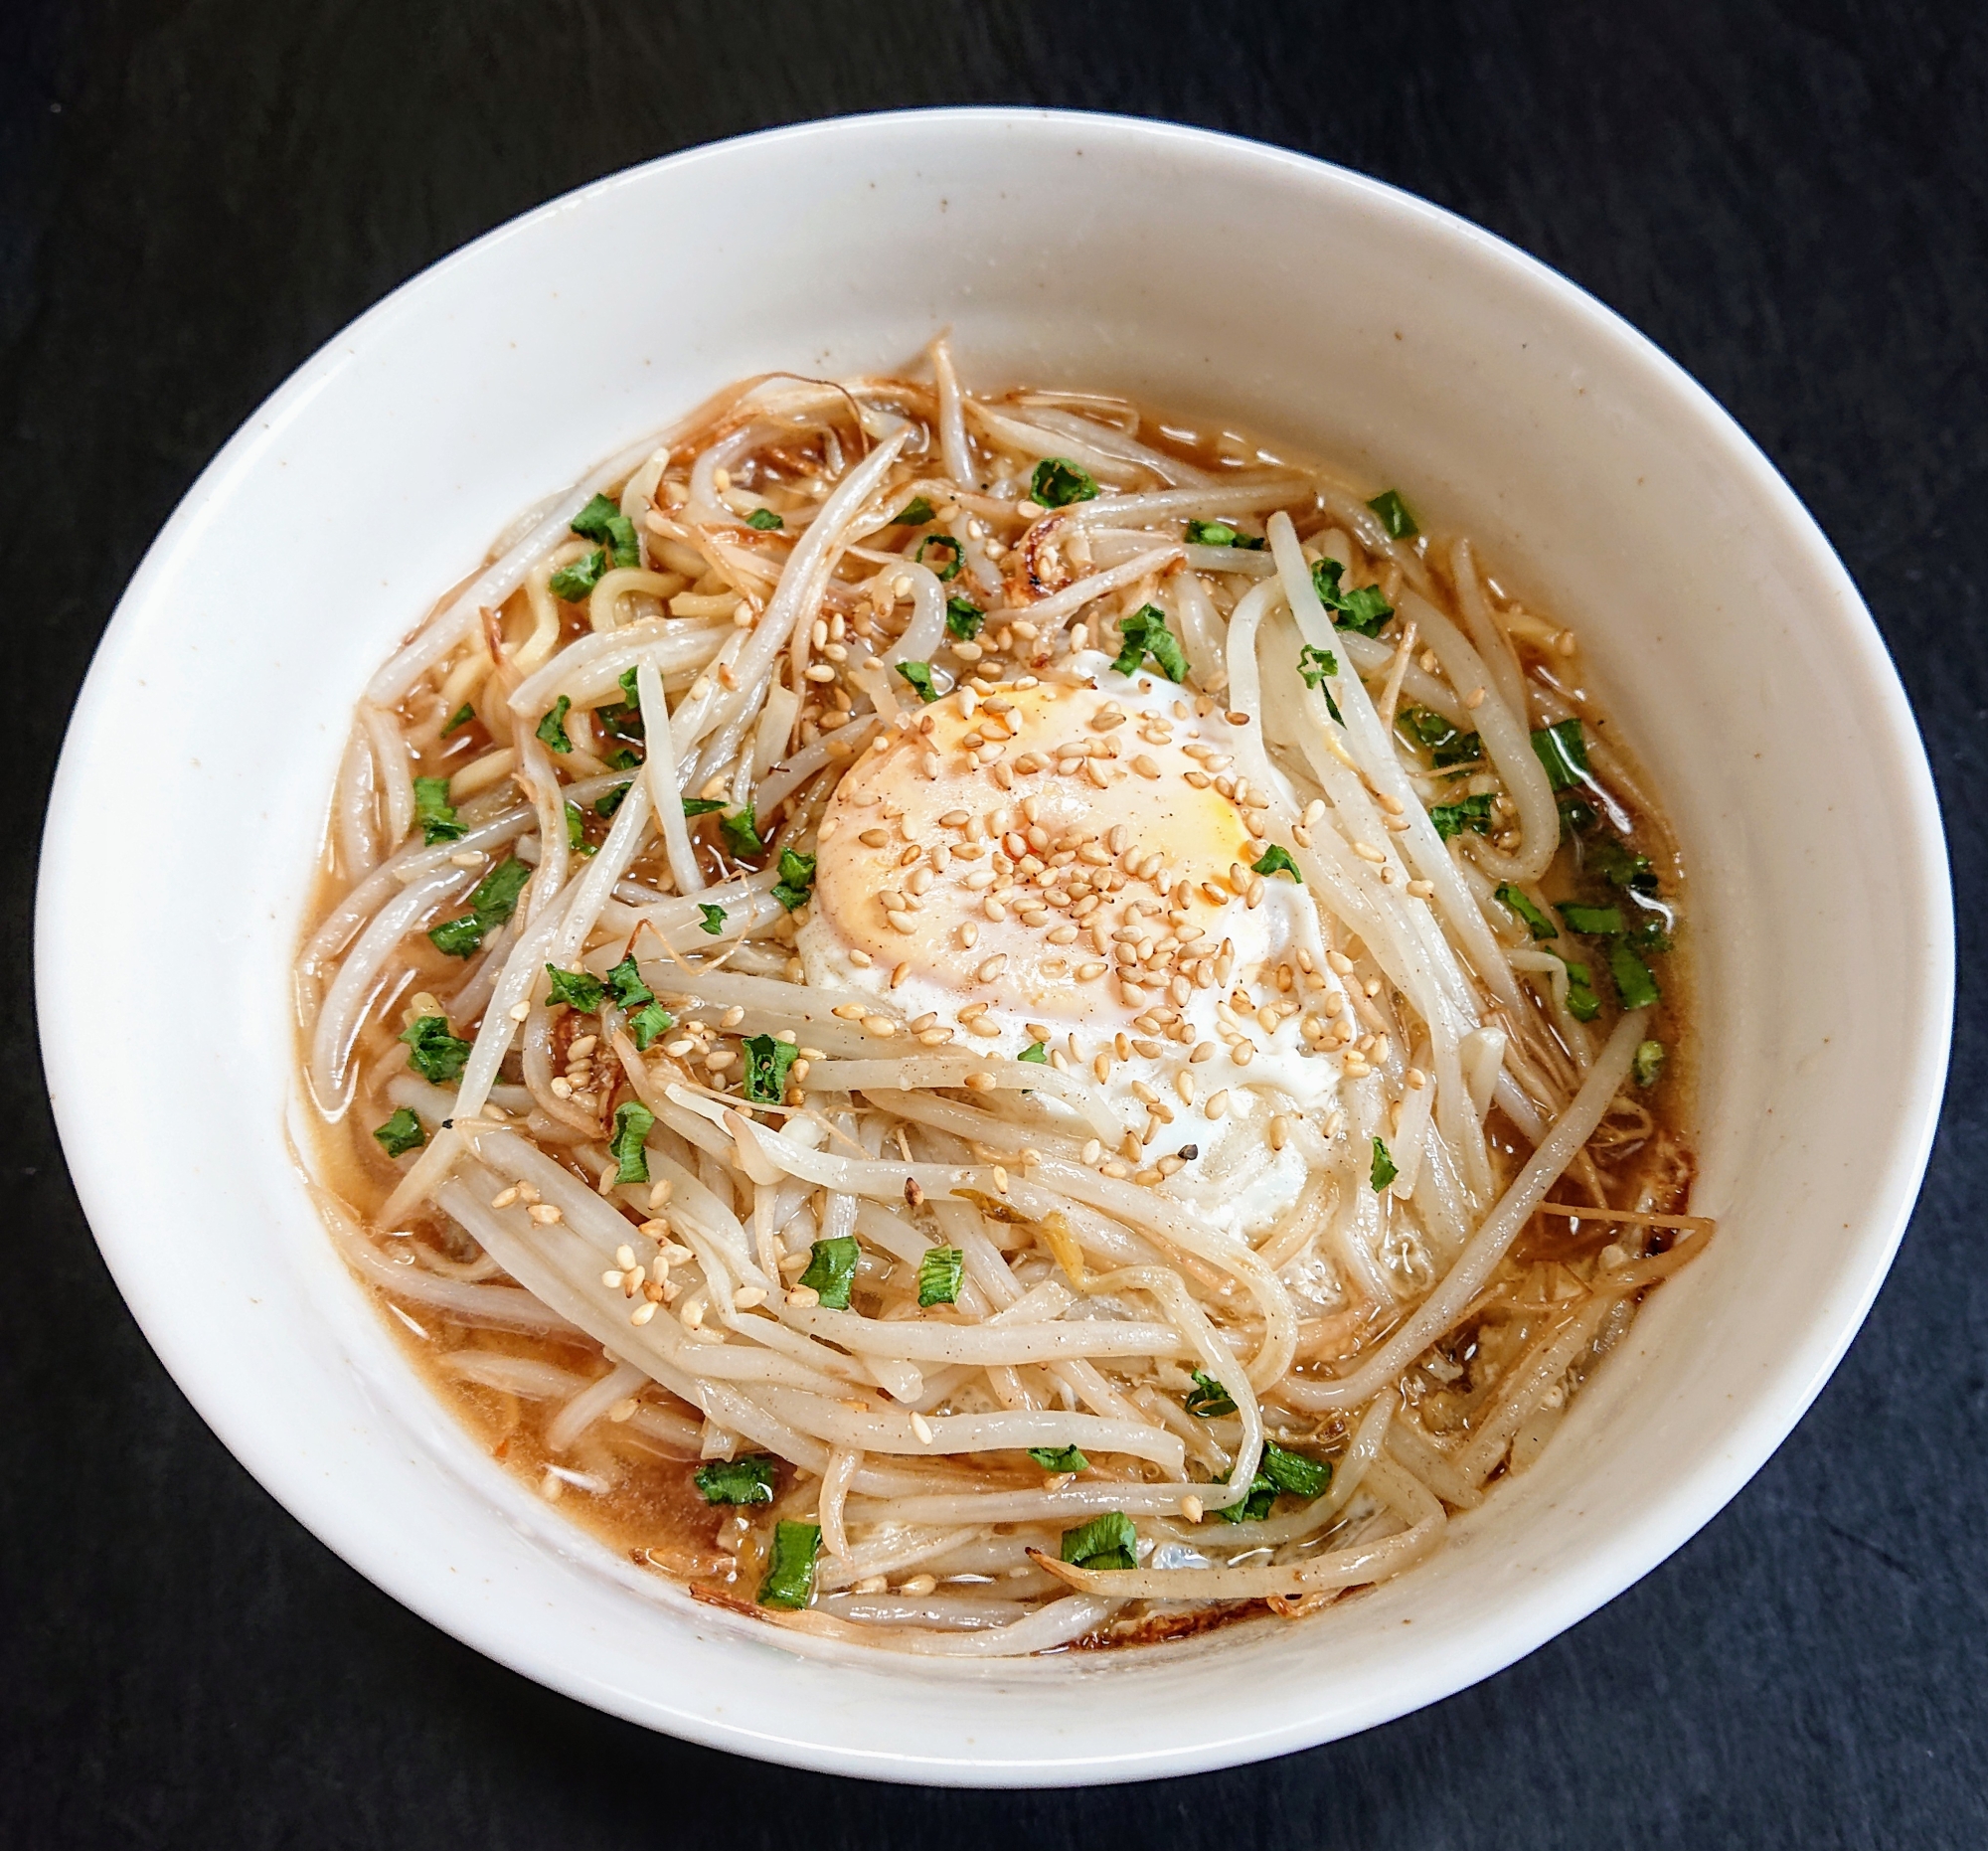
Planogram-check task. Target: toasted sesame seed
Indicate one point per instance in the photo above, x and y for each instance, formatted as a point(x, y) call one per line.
point(1086, 973)
point(802, 1296)
point(642, 1312)
point(544, 1214)
point(1217, 1104)
point(1192, 1508)
point(880, 1025)
point(979, 1083)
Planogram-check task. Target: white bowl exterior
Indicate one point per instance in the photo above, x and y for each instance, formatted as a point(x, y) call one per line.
point(1331, 312)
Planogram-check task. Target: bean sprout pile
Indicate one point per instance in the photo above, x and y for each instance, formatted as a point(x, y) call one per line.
point(985, 1023)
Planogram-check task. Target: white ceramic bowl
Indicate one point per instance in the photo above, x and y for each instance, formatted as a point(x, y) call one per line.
point(1198, 272)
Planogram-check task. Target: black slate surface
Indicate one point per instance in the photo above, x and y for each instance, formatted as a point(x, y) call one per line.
point(193, 194)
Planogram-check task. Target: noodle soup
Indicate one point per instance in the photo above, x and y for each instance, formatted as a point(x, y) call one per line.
point(989, 1023)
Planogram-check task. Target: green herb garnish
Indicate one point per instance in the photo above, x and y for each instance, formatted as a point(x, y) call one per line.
point(713, 920)
point(749, 1480)
point(493, 902)
point(633, 1124)
point(1036, 1054)
point(1582, 1002)
point(917, 510)
point(790, 1579)
point(831, 1271)
point(400, 1133)
point(602, 520)
point(940, 1274)
point(702, 806)
point(1277, 860)
point(797, 880)
point(950, 547)
point(1595, 921)
point(1221, 534)
point(1060, 1458)
point(574, 582)
point(766, 1064)
point(1621, 867)
point(1647, 1067)
point(576, 830)
point(1383, 1171)
point(1364, 610)
point(1633, 981)
point(1208, 1399)
point(963, 618)
point(577, 990)
point(650, 1023)
point(623, 760)
point(432, 1052)
point(764, 521)
point(1395, 515)
point(1296, 1474)
point(1563, 753)
point(624, 984)
point(611, 801)
point(462, 716)
point(919, 675)
point(1576, 816)
point(1144, 634)
point(1106, 1542)
point(1445, 744)
point(434, 813)
point(1452, 819)
point(1257, 1505)
point(552, 728)
point(1058, 482)
point(1316, 664)
point(741, 830)
point(1536, 922)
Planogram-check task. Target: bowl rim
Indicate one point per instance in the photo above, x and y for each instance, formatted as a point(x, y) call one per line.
point(1631, 1551)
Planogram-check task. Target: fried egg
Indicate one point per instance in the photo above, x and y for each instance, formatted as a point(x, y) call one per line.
point(1070, 863)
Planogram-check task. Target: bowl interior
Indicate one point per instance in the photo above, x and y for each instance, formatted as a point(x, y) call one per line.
point(1333, 314)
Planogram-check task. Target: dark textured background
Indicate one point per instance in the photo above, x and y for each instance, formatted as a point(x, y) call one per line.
point(193, 196)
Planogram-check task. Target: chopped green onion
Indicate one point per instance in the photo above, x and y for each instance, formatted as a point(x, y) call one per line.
point(765, 520)
point(749, 1480)
point(432, 1052)
point(1106, 1542)
point(625, 984)
point(1383, 1171)
point(790, 1579)
point(1221, 534)
point(434, 813)
point(766, 1064)
point(1647, 938)
point(400, 1133)
point(1648, 1064)
point(633, 1124)
point(1035, 1053)
point(552, 729)
point(1279, 860)
point(1445, 744)
point(950, 547)
point(741, 830)
point(940, 1274)
point(1145, 634)
point(1451, 819)
point(611, 801)
point(1208, 1397)
point(1595, 922)
point(797, 880)
point(713, 920)
point(1395, 515)
point(1058, 482)
point(917, 510)
point(831, 1272)
point(602, 520)
point(1364, 610)
point(462, 716)
point(963, 618)
point(622, 759)
point(576, 830)
point(574, 582)
point(1315, 664)
point(702, 806)
point(577, 990)
point(1634, 983)
point(1536, 922)
point(919, 675)
point(650, 1023)
point(1576, 816)
point(1563, 753)
point(1582, 1002)
point(493, 902)
point(1060, 1458)
point(1620, 866)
